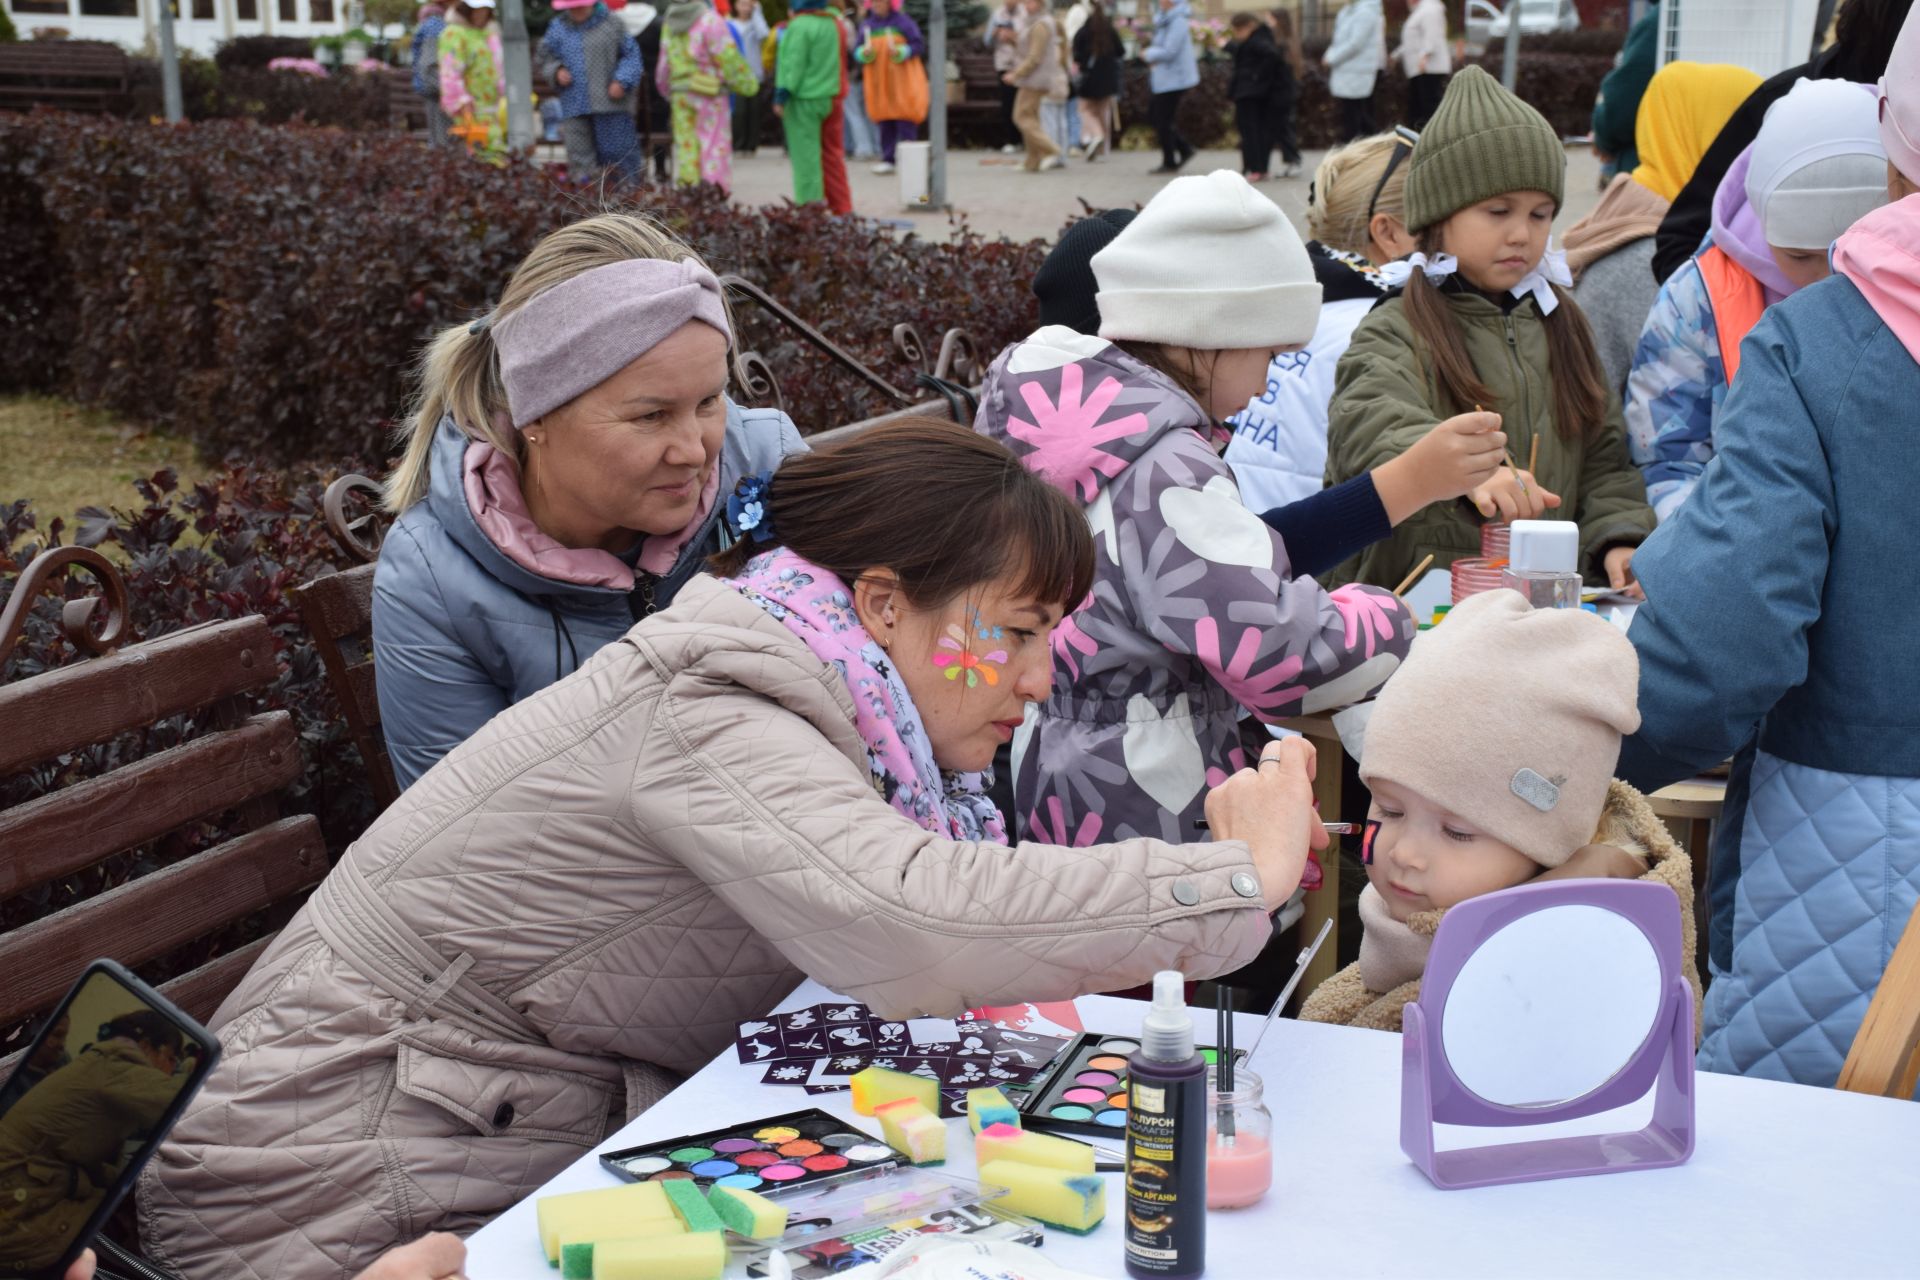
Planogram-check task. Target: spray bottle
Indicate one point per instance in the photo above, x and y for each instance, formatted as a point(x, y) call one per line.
point(1166, 1223)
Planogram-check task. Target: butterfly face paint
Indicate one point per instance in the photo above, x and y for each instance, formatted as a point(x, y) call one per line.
point(959, 659)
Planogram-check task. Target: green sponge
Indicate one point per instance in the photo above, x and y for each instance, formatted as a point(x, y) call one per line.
point(576, 1261)
point(748, 1213)
point(690, 1203)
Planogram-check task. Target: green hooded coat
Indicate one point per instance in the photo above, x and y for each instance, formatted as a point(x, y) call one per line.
point(1386, 398)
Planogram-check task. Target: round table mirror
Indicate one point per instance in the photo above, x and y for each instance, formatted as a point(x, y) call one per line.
point(1551, 1007)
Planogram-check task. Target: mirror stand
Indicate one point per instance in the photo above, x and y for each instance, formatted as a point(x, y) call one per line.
point(1667, 1139)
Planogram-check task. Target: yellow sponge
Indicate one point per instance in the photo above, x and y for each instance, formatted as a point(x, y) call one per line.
point(1070, 1201)
point(748, 1213)
point(699, 1255)
point(1004, 1142)
point(990, 1106)
point(912, 1130)
point(605, 1212)
point(876, 1085)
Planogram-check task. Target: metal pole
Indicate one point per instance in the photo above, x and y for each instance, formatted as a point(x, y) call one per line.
point(1510, 63)
point(937, 104)
point(169, 66)
point(518, 74)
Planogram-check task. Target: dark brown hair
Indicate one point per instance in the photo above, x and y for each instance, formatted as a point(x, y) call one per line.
point(148, 1026)
point(1579, 383)
point(1161, 360)
point(1101, 42)
point(1242, 20)
point(943, 507)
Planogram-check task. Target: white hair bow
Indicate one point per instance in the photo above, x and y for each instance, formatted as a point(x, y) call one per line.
point(1438, 268)
point(1539, 282)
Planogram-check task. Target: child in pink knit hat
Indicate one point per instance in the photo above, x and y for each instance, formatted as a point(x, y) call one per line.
point(1490, 756)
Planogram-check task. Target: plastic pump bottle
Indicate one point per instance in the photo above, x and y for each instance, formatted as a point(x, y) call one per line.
point(1166, 1189)
point(1540, 563)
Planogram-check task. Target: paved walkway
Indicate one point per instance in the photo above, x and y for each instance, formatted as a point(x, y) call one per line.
point(998, 198)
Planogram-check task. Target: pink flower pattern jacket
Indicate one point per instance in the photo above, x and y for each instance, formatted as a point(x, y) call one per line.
point(1195, 618)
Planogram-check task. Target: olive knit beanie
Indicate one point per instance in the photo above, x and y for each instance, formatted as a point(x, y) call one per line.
point(1481, 143)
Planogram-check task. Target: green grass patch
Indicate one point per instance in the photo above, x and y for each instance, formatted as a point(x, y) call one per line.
point(63, 456)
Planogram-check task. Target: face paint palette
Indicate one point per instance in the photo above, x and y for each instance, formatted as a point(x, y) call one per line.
point(767, 1156)
point(1086, 1092)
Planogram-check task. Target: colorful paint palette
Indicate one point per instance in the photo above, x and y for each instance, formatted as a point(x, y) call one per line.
point(1086, 1091)
point(767, 1156)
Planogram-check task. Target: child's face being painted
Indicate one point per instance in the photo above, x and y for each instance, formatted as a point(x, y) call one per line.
point(971, 665)
point(1499, 241)
point(1426, 859)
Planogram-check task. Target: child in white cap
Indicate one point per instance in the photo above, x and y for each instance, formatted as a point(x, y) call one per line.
point(1815, 169)
point(1490, 756)
point(1196, 617)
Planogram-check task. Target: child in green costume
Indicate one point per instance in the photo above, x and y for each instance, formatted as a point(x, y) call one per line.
point(808, 87)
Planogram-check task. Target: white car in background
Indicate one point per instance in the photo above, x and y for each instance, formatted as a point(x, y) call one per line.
point(1487, 22)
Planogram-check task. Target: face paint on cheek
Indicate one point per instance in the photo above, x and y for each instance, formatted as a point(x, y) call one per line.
point(1366, 842)
point(960, 659)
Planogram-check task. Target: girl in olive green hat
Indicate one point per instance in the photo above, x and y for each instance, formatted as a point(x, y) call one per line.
point(1485, 322)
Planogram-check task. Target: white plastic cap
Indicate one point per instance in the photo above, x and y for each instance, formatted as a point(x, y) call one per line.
point(1544, 546)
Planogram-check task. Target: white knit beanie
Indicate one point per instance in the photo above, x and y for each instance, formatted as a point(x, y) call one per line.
point(1900, 86)
point(1211, 264)
point(1817, 165)
point(1510, 718)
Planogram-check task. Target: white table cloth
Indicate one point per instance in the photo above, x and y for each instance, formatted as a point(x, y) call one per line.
point(1785, 1181)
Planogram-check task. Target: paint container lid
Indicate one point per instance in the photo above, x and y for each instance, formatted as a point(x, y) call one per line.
point(1544, 546)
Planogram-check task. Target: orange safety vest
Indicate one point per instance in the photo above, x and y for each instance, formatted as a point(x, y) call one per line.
point(1737, 300)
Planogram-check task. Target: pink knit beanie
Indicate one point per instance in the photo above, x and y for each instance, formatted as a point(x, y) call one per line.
point(1510, 718)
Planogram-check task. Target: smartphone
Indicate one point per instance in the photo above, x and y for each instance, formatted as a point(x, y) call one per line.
point(90, 1101)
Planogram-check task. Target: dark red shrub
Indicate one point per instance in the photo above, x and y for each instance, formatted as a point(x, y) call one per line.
point(265, 289)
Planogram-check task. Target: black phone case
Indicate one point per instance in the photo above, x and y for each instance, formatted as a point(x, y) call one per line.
point(209, 1054)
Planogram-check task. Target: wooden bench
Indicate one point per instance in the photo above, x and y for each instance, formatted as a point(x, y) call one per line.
point(979, 104)
point(338, 611)
point(235, 765)
point(73, 75)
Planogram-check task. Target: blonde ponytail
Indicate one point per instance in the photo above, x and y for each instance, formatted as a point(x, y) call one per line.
point(459, 371)
point(1343, 187)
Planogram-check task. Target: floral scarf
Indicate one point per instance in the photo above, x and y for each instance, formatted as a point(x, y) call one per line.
point(817, 607)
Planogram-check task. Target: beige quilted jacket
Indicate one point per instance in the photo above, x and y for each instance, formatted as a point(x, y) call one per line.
point(575, 907)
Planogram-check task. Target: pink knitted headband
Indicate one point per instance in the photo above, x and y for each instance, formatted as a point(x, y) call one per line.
point(576, 335)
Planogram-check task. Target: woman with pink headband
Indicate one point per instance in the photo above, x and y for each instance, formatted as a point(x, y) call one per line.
point(558, 482)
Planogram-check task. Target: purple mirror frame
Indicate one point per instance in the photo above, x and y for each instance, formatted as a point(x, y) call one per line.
point(1431, 1093)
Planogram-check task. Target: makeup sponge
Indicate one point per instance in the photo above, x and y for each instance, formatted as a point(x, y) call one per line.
point(748, 1213)
point(913, 1131)
point(700, 1255)
point(1070, 1201)
point(1004, 1142)
point(876, 1085)
point(990, 1106)
point(690, 1204)
point(605, 1212)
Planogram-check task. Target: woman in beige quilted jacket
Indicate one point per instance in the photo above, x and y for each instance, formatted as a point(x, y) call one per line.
point(769, 780)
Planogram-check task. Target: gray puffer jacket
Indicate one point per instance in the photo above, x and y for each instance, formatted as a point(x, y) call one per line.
point(576, 906)
point(461, 630)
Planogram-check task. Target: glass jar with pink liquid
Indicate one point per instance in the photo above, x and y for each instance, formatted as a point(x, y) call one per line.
point(1240, 1151)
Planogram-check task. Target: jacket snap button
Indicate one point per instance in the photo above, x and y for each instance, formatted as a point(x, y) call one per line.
point(1245, 885)
point(503, 1115)
point(1184, 893)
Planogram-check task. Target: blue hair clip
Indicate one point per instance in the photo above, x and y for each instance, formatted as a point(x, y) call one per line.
point(747, 510)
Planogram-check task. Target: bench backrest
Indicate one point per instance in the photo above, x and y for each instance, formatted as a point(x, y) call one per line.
point(235, 765)
point(75, 75)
